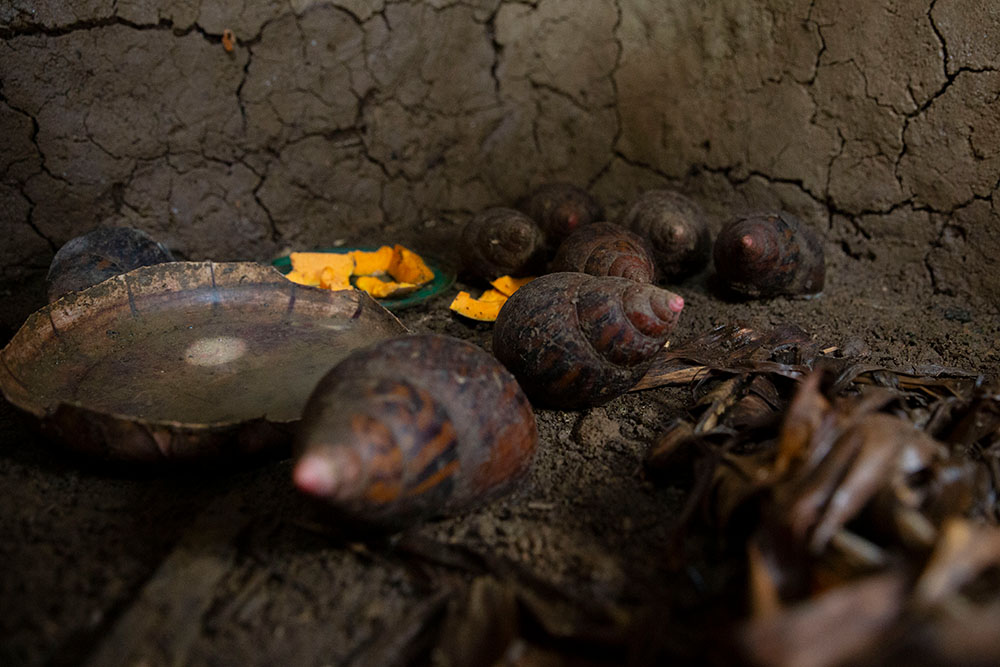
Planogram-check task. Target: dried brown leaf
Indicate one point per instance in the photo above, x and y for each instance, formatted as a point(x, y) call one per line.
point(803, 419)
point(829, 629)
point(785, 350)
point(980, 423)
point(763, 576)
point(880, 441)
point(970, 640)
point(959, 486)
point(750, 411)
point(735, 480)
point(859, 553)
point(963, 552)
point(674, 450)
point(719, 400)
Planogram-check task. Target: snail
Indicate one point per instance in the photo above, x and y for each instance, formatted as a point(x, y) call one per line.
point(769, 254)
point(560, 209)
point(412, 427)
point(676, 230)
point(101, 254)
point(500, 242)
point(575, 340)
point(606, 249)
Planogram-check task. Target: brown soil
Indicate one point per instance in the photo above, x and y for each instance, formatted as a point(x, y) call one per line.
point(333, 121)
point(222, 566)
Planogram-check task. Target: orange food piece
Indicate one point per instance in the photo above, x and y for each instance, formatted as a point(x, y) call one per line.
point(313, 263)
point(407, 266)
point(296, 276)
point(508, 285)
point(487, 307)
point(321, 269)
point(381, 289)
point(367, 262)
point(484, 310)
point(334, 270)
point(334, 278)
point(491, 295)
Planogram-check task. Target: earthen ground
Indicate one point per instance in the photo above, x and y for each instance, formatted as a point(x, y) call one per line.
point(92, 553)
point(332, 121)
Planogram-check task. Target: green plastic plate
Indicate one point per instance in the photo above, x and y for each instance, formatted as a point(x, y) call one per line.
point(443, 277)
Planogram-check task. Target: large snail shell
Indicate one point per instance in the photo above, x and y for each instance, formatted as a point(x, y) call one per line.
point(575, 340)
point(98, 255)
point(606, 249)
point(770, 254)
point(676, 230)
point(502, 241)
point(413, 427)
point(560, 209)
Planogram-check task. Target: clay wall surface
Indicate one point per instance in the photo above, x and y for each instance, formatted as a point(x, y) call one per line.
point(358, 121)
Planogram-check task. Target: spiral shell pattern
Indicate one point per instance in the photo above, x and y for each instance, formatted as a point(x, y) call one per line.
point(770, 254)
point(501, 241)
point(575, 340)
point(676, 229)
point(606, 249)
point(413, 427)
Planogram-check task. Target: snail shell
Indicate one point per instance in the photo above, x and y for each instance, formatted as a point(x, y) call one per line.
point(101, 254)
point(575, 340)
point(560, 209)
point(676, 230)
point(606, 249)
point(500, 242)
point(769, 254)
point(412, 427)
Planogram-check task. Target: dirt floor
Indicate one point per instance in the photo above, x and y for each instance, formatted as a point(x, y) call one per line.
point(109, 565)
point(239, 132)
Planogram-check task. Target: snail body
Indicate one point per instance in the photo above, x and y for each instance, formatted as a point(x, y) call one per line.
point(501, 241)
point(606, 249)
point(676, 229)
point(574, 340)
point(560, 209)
point(769, 254)
point(413, 427)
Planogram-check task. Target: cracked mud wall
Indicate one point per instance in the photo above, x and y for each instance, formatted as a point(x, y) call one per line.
point(383, 120)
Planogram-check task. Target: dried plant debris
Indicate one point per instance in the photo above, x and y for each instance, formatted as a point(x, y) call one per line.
point(786, 350)
point(864, 498)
